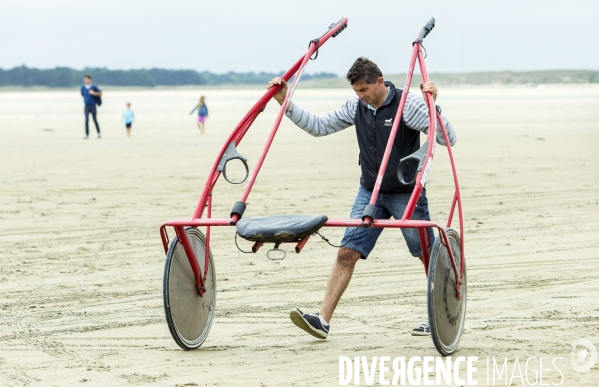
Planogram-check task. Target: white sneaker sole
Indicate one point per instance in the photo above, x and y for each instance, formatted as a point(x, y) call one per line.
point(298, 320)
point(416, 333)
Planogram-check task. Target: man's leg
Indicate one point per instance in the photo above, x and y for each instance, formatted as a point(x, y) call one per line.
point(358, 242)
point(86, 114)
point(397, 205)
point(343, 268)
point(94, 112)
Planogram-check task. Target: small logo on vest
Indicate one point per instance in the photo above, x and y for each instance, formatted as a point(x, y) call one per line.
point(389, 122)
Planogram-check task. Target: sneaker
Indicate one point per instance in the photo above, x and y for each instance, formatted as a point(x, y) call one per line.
point(423, 330)
point(86, 137)
point(310, 323)
point(99, 136)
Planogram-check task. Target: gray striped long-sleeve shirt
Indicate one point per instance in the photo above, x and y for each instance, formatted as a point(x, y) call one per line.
point(415, 115)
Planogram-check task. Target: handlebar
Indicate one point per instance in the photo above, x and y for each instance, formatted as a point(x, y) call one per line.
point(426, 30)
point(342, 25)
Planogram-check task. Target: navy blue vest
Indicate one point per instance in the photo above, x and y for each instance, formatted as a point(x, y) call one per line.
point(373, 134)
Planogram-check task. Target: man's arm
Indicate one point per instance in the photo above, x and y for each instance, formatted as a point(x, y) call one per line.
point(415, 115)
point(314, 124)
point(325, 124)
point(95, 91)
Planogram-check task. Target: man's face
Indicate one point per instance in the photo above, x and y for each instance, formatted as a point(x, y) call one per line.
point(87, 81)
point(369, 93)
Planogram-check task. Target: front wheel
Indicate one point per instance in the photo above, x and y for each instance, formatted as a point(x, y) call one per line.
point(189, 316)
point(446, 313)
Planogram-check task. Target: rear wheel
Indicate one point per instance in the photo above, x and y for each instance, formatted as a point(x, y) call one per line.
point(446, 313)
point(189, 316)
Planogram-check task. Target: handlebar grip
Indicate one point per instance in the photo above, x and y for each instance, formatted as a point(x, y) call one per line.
point(426, 30)
point(340, 29)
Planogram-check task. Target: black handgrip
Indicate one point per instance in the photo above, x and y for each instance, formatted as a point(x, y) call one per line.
point(238, 209)
point(426, 30)
point(338, 31)
point(369, 212)
point(418, 156)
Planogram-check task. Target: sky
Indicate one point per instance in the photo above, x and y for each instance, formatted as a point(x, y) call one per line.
point(270, 35)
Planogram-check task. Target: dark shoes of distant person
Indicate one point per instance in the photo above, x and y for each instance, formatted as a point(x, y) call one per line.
point(310, 322)
point(423, 330)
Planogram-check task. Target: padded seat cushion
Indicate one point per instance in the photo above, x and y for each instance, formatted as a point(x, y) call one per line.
point(279, 228)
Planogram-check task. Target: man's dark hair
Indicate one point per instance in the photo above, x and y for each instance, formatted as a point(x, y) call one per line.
point(87, 76)
point(363, 70)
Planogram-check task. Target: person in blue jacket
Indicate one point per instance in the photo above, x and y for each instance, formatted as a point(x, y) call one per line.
point(91, 96)
point(128, 117)
point(202, 113)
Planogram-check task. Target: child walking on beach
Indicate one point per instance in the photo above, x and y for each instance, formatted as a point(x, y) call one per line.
point(202, 113)
point(128, 117)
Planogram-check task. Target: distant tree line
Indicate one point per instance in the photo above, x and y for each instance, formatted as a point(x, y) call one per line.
point(519, 77)
point(482, 78)
point(68, 77)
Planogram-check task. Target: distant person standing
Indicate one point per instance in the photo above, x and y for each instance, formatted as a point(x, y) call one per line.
point(202, 113)
point(128, 117)
point(91, 96)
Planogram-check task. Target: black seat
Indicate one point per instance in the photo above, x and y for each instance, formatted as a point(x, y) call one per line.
point(279, 228)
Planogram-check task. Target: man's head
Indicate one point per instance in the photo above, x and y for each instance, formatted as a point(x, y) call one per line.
point(128, 105)
point(87, 79)
point(367, 81)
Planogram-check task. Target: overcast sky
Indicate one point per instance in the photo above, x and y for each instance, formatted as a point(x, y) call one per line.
point(269, 35)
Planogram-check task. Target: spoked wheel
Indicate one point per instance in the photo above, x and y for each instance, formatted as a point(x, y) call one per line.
point(188, 315)
point(446, 313)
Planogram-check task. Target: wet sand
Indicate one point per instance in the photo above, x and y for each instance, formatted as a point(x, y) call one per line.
point(82, 260)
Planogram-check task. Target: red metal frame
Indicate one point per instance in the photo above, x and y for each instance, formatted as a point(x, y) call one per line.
point(241, 129)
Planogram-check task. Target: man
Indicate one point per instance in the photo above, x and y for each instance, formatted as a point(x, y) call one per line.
point(372, 112)
point(91, 95)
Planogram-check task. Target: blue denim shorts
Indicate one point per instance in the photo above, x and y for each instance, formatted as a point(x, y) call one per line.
point(363, 240)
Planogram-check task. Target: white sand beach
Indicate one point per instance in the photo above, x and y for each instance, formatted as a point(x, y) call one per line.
point(82, 260)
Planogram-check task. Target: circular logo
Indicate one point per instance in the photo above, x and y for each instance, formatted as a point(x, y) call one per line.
point(584, 355)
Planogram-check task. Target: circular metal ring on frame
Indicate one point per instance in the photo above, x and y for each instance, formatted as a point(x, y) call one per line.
point(247, 171)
